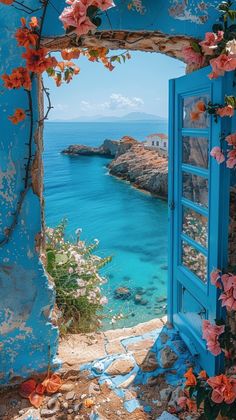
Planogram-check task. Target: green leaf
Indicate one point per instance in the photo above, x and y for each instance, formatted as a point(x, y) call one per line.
point(201, 395)
point(118, 59)
point(50, 260)
point(232, 14)
point(61, 258)
point(112, 59)
point(97, 21)
point(217, 27)
point(196, 47)
point(92, 11)
point(124, 58)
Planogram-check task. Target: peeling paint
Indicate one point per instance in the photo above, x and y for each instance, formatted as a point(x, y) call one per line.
point(192, 11)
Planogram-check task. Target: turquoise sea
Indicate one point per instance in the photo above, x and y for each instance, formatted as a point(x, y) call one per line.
point(130, 225)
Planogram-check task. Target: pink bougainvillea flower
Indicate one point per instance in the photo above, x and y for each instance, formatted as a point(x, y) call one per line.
point(231, 47)
point(217, 154)
point(231, 139)
point(231, 159)
point(211, 333)
point(215, 279)
point(182, 402)
point(221, 64)
point(226, 111)
point(103, 4)
point(210, 42)
point(85, 25)
point(71, 15)
point(192, 57)
point(228, 297)
point(224, 389)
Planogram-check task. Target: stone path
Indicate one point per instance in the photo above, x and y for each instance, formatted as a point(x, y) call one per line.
point(129, 374)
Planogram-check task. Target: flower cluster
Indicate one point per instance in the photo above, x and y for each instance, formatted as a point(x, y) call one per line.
point(82, 16)
point(213, 396)
point(35, 391)
point(218, 48)
point(211, 333)
point(227, 283)
point(75, 271)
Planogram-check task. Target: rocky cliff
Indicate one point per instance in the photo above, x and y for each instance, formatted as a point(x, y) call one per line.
point(143, 168)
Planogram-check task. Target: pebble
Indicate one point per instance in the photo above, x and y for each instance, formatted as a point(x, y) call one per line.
point(51, 403)
point(77, 407)
point(70, 395)
point(70, 411)
point(49, 413)
point(65, 405)
point(67, 387)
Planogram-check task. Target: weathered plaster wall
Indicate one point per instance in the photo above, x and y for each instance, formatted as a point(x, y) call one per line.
point(27, 336)
point(28, 339)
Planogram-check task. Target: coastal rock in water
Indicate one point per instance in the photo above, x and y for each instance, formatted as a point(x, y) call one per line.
point(145, 169)
point(122, 293)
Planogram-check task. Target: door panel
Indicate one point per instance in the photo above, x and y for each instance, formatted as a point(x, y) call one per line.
point(195, 188)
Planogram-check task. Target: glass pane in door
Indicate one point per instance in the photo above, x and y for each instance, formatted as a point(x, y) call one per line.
point(195, 151)
point(195, 225)
point(195, 188)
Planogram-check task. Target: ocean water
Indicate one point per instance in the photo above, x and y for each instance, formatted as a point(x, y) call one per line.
point(130, 225)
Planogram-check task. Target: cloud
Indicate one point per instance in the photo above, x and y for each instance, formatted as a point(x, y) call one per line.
point(115, 101)
point(118, 101)
point(61, 107)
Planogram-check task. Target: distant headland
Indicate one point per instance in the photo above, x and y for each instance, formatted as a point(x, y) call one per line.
point(145, 167)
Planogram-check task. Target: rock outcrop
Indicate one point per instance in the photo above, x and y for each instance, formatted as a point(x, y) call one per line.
point(109, 148)
point(143, 168)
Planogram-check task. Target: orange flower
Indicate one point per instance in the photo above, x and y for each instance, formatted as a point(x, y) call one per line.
point(224, 389)
point(191, 378)
point(27, 387)
point(18, 116)
point(52, 384)
point(192, 406)
point(200, 106)
point(88, 403)
point(195, 115)
point(203, 374)
point(40, 389)
point(25, 37)
point(70, 53)
point(33, 22)
point(19, 78)
point(36, 60)
point(8, 2)
point(35, 399)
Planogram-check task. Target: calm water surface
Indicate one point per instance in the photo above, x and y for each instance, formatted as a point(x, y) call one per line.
point(130, 225)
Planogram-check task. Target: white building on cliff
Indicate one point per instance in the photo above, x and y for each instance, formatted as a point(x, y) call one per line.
point(157, 141)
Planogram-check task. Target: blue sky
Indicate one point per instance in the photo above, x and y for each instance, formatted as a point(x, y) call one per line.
point(141, 84)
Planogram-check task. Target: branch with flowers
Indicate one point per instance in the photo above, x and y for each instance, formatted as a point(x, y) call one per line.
point(80, 17)
point(215, 395)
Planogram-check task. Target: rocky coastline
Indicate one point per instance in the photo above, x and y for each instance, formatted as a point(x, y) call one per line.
point(131, 161)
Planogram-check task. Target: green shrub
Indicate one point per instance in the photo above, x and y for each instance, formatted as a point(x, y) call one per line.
point(75, 271)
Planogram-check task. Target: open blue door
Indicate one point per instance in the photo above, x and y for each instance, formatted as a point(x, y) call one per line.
point(198, 189)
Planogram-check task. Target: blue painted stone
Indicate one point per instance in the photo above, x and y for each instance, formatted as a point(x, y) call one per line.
point(131, 405)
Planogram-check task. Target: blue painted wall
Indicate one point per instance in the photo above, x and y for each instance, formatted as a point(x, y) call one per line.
point(27, 337)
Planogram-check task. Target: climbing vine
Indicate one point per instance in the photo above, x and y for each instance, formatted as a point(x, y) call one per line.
point(80, 17)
